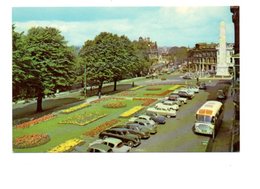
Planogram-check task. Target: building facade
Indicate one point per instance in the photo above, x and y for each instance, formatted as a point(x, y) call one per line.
point(203, 57)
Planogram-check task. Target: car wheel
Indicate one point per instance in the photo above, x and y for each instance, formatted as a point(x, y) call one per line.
point(130, 143)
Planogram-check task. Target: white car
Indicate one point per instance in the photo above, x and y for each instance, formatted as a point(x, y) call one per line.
point(175, 105)
point(162, 111)
point(195, 89)
point(114, 143)
point(144, 117)
point(174, 97)
point(168, 105)
point(187, 90)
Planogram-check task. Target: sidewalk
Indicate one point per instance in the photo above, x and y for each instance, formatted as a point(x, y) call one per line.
point(222, 142)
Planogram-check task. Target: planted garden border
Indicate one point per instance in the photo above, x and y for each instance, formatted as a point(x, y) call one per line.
point(75, 108)
point(67, 146)
point(81, 119)
point(146, 101)
point(131, 111)
point(101, 128)
point(34, 122)
point(31, 140)
point(115, 105)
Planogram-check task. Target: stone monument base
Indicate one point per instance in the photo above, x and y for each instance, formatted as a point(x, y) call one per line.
point(222, 71)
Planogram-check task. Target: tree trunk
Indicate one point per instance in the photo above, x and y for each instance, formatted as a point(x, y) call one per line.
point(39, 102)
point(99, 89)
point(115, 85)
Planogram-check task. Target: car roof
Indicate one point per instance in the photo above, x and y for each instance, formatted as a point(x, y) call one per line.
point(145, 116)
point(118, 129)
point(142, 120)
point(102, 147)
point(112, 140)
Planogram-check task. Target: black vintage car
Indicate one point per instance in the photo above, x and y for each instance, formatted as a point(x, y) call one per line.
point(141, 132)
point(121, 133)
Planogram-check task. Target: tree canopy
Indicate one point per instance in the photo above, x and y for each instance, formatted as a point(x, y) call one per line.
point(42, 63)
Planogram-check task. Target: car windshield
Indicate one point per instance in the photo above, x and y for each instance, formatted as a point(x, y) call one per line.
point(203, 118)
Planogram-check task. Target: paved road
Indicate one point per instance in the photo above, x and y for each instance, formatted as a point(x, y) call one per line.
point(176, 135)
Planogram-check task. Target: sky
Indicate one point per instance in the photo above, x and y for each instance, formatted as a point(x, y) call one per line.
point(168, 26)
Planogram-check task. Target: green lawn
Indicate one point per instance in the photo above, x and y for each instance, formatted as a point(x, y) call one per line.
point(60, 133)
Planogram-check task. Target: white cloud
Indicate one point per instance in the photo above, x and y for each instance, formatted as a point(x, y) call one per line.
point(167, 26)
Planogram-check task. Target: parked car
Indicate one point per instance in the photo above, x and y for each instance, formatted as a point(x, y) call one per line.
point(152, 130)
point(202, 85)
point(157, 118)
point(194, 89)
point(99, 148)
point(221, 95)
point(169, 103)
point(114, 143)
point(144, 117)
point(146, 124)
point(123, 134)
point(162, 111)
point(174, 97)
point(137, 129)
point(186, 94)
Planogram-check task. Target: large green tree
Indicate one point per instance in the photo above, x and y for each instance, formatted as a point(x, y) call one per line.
point(49, 64)
point(108, 57)
point(21, 65)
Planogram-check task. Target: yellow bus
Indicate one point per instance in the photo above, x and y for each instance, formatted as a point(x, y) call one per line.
point(209, 118)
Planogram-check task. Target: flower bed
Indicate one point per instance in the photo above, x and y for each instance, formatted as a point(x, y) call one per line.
point(101, 128)
point(175, 87)
point(67, 146)
point(29, 141)
point(153, 88)
point(146, 101)
point(131, 111)
point(34, 122)
point(160, 94)
point(126, 93)
point(75, 108)
point(100, 100)
point(82, 119)
point(115, 105)
point(136, 88)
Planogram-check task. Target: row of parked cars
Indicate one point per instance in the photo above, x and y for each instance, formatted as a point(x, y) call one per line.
point(122, 138)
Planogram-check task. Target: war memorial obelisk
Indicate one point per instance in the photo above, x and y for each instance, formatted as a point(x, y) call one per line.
point(222, 66)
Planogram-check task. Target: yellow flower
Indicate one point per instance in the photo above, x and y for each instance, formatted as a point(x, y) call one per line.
point(175, 87)
point(67, 146)
point(74, 108)
point(131, 111)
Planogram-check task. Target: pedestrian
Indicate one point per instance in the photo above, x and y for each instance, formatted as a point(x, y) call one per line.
point(99, 94)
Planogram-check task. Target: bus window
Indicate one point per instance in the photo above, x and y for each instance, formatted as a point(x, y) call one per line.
point(203, 118)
